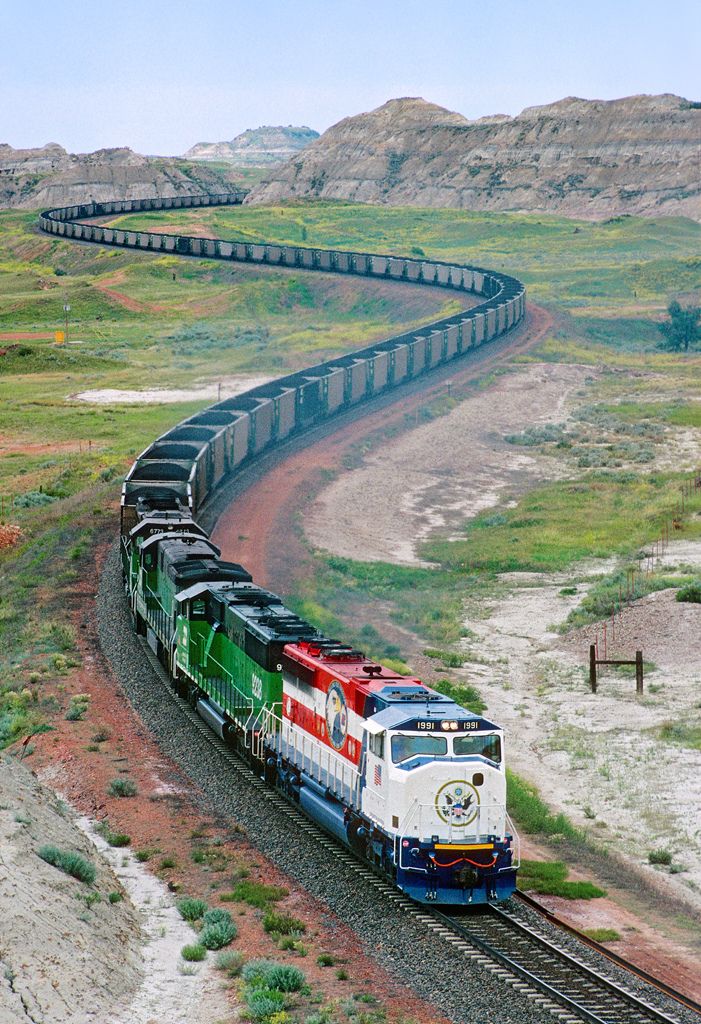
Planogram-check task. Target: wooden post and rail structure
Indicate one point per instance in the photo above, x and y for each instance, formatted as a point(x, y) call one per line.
point(594, 661)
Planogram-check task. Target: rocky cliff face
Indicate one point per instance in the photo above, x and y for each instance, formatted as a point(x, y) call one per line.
point(50, 176)
point(256, 147)
point(580, 158)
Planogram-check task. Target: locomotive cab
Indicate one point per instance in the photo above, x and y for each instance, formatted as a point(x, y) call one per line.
point(436, 784)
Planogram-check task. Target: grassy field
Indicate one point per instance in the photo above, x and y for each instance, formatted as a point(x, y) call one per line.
point(137, 319)
point(596, 270)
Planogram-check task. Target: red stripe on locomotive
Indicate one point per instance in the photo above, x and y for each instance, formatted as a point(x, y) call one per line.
point(340, 683)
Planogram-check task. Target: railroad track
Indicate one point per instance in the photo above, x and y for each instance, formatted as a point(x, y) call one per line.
point(497, 939)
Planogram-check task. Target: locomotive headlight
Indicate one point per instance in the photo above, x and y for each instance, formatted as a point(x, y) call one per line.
point(448, 726)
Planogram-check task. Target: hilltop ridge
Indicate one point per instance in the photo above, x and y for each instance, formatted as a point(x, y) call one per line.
point(577, 157)
point(256, 147)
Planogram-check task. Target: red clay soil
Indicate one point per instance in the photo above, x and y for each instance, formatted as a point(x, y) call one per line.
point(250, 532)
point(166, 818)
point(25, 335)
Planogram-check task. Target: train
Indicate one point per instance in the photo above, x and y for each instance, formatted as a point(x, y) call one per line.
point(413, 783)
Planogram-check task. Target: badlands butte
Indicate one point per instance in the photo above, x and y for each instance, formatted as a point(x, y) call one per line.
point(579, 158)
point(591, 159)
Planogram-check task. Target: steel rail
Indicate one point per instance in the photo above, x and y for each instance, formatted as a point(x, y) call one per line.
point(609, 954)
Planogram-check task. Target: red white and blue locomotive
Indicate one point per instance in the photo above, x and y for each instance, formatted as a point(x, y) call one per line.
point(410, 780)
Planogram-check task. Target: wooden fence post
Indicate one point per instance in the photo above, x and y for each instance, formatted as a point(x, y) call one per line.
point(638, 671)
point(592, 667)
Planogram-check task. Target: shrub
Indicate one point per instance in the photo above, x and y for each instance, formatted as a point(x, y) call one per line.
point(257, 894)
point(660, 857)
point(194, 953)
point(284, 978)
point(691, 593)
point(191, 909)
point(214, 936)
point(262, 1003)
point(33, 499)
point(117, 838)
point(76, 711)
point(142, 856)
point(256, 972)
point(282, 924)
point(230, 961)
point(341, 974)
point(326, 960)
point(115, 897)
point(217, 916)
point(70, 862)
point(167, 862)
point(122, 787)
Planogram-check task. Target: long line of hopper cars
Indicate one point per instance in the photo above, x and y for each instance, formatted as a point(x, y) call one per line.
point(408, 779)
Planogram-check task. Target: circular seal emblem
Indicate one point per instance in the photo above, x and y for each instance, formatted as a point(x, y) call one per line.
point(336, 715)
point(457, 803)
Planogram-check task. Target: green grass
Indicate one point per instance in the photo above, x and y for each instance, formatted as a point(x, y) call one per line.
point(579, 264)
point(191, 909)
point(685, 734)
point(533, 815)
point(550, 878)
point(282, 924)
point(558, 524)
point(257, 894)
point(602, 934)
point(193, 953)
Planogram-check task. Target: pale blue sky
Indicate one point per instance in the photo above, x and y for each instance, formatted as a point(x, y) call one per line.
point(160, 75)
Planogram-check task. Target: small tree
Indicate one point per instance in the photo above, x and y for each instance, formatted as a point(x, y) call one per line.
point(681, 331)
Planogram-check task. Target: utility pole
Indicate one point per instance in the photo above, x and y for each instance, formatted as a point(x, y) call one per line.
point(66, 311)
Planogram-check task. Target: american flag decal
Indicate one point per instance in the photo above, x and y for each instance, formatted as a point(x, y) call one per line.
point(378, 775)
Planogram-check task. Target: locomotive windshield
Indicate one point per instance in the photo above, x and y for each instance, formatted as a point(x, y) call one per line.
point(486, 746)
point(404, 747)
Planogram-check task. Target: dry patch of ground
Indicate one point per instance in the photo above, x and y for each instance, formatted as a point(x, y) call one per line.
point(441, 473)
point(224, 387)
point(601, 758)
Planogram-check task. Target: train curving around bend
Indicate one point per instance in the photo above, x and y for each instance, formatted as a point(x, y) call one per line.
point(408, 779)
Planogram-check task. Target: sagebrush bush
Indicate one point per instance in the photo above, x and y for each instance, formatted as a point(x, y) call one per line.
point(285, 978)
point(215, 936)
point(191, 909)
point(255, 973)
point(122, 787)
point(194, 953)
point(230, 961)
point(70, 862)
point(216, 916)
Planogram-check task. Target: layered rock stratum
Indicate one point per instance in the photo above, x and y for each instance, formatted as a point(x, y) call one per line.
point(577, 157)
point(256, 147)
point(50, 176)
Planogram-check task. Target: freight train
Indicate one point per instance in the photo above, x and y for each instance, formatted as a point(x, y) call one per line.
point(411, 781)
